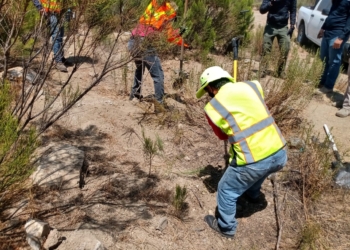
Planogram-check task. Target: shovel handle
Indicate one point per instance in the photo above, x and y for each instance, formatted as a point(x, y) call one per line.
point(182, 42)
point(334, 147)
point(235, 44)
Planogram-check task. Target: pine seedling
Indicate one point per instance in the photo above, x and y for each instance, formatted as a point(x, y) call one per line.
point(179, 200)
point(151, 148)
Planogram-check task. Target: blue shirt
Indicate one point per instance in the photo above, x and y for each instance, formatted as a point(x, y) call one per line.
point(337, 23)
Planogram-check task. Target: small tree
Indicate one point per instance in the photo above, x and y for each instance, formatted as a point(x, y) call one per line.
point(151, 148)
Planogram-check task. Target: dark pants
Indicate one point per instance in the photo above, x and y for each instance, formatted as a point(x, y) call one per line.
point(283, 39)
point(148, 59)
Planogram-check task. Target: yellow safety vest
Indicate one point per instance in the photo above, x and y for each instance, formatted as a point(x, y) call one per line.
point(56, 5)
point(239, 110)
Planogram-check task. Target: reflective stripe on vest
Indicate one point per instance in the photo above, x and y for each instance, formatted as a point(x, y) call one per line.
point(51, 5)
point(238, 133)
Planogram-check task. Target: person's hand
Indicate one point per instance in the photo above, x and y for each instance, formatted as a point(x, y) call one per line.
point(182, 30)
point(337, 43)
point(320, 34)
point(42, 12)
point(290, 31)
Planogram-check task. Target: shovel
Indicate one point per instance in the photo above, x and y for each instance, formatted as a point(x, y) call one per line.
point(342, 177)
point(235, 43)
point(182, 75)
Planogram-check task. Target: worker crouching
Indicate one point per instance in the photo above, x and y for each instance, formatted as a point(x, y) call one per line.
point(237, 113)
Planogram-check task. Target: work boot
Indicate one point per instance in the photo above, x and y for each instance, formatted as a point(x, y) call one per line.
point(213, 224)
point(60, 66)
point(343, 112)
point(337, 104)
point(323, 90)
point(136, 95)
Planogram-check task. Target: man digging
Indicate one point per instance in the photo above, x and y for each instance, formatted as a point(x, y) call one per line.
point(237, 113)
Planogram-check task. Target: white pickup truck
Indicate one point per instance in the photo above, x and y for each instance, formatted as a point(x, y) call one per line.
point(309, 22)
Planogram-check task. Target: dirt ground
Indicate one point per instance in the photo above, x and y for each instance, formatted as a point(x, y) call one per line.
point(122, 207)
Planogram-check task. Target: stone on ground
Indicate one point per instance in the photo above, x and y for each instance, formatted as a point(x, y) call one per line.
point(59, 165)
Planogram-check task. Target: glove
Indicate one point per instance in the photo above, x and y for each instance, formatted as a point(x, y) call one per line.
point(182, 30)
point(290, 31)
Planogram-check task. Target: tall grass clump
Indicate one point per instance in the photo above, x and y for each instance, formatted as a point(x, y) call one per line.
point(314, 163)
point(287, 99)
point(310, 234)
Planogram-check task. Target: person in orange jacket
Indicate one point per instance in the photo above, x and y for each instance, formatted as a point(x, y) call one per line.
point(157, 18)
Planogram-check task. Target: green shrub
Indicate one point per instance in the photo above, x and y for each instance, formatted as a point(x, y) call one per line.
point(15, 148)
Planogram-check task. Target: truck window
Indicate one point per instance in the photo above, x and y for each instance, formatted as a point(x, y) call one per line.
point(325, 4)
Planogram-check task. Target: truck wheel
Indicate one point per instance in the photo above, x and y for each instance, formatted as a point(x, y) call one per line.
point(302, 39)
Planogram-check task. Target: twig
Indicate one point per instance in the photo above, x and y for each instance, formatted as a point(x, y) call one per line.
point(200, 204)
point(281, 222)
point(277, 209)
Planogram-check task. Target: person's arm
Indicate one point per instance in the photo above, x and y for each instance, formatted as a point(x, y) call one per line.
point(265, 6)
point(216, 129)
point(293, 13)
point(37, 4)
point(346, 31)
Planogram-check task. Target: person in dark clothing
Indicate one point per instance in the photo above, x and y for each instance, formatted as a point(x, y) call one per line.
point(335, 32)
point(279, 11)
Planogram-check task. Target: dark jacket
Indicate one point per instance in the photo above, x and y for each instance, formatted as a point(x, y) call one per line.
point(337, 23)
point(37, 4)
point(279, 12)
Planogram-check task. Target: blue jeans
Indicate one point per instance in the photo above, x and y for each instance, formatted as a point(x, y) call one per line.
point(57, 33)
point(151, 61)
point(332, 60)
point(244, 179)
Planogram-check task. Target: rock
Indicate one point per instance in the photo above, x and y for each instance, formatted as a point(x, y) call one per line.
point(59, 165)
point(199, 229)
point(79, 239)
point(52, 239)
point(93, 74)
point(295, 142)
point(246, 61)
point(200, 153)
point(162, 224)
point(34, 243)
point(37, 228)
point(99, 246)
point(16, 74)
point(187, 158)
